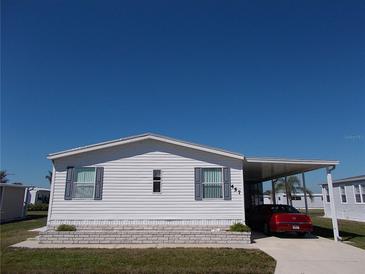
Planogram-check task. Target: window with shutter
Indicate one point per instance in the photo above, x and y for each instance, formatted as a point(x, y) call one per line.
point(84, 183)
point(212, 183)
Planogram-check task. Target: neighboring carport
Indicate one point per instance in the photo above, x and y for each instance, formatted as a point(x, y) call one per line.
point(258, 170)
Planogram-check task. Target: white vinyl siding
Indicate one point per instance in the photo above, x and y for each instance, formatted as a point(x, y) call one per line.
point(353, 209)
point(127, 190)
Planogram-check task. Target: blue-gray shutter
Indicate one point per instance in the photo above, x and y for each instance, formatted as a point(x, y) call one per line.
point(69, 183)
point(227, 183)
point(198, 184)
point(99, 183)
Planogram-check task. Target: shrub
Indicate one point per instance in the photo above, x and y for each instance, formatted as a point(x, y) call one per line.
point(38, 207)
point(64, 227)
point(239, 227)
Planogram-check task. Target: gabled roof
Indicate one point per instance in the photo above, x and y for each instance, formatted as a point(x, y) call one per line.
point(137, 138)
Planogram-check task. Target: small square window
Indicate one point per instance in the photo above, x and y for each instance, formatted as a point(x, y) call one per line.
point(343, 194)
point(156, 180)
point(357, 193)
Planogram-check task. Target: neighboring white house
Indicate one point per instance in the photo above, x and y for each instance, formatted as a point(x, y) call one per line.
point(349, 198)
point(12, 202)
point(297, 200)
point(38, 195)
point(152, 179)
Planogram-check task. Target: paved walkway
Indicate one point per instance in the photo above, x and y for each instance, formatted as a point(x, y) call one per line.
point(312, 255)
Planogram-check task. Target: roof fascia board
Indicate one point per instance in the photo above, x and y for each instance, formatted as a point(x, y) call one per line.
point(140, 138)
point(290, 161)
point(344, 181)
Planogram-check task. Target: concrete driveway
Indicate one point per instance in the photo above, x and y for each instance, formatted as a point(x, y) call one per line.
point(312, 255)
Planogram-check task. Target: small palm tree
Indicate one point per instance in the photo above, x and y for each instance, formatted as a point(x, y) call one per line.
point(3, 176)
point(292, 188)
point(49, 177)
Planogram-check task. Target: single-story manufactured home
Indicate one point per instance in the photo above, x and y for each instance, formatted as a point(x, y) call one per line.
point(153, 180)
point(38, 195)
point(315, 202)
point(349, 198)
point(12, 202)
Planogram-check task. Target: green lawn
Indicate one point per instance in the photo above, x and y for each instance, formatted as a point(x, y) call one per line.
point(179, 260)
point(15, 232)
point(351, 231)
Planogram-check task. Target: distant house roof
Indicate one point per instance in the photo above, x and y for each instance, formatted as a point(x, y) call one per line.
point(13, 185)
point(40, 188)
point(146, 136)
point(349, 179)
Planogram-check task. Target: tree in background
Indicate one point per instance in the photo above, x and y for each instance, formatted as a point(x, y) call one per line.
point(293, 187)
point(3, 176)
point(49, 177)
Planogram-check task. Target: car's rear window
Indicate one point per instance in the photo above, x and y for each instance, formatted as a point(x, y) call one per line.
point(283, 209)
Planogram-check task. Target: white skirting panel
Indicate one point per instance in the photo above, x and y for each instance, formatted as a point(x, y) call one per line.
point(144, 222)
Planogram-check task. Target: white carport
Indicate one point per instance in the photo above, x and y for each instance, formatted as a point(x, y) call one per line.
point(264, 169)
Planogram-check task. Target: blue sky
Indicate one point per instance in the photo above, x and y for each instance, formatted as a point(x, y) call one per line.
point(263, 78)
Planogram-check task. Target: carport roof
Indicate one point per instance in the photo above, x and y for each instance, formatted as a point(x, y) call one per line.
point(257, 169)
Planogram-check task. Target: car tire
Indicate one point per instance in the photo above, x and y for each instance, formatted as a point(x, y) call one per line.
point(267, 229)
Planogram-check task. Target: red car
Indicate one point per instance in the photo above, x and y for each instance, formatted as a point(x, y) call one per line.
point(279, 218)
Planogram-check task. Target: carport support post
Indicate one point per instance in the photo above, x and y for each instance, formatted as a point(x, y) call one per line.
point(286, 190)
point(332, 203)
point(273, 194)
point(305, 194)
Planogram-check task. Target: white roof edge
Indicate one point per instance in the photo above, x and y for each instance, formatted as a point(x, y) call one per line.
point(141, 137)
point(291, 161)
point(348, 180)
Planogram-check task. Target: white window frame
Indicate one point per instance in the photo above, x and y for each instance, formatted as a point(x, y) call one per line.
point(88, 198)
point(344, 187)
point(153, 181)
point(360, 192)
point(221, 198)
